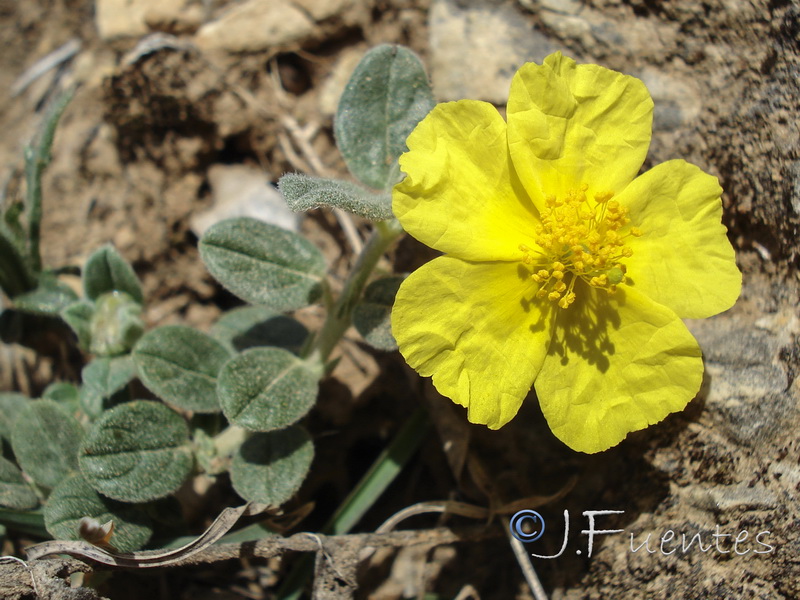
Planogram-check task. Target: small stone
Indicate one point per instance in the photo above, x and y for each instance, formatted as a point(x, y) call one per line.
point(128, 18)
point(476, 49)
point(242, 191)
point(256, 25)
point(728, 498)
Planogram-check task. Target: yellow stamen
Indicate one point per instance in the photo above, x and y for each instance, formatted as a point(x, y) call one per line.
point(581, 238)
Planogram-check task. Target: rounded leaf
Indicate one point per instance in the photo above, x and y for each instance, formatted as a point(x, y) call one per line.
point(66, 394)
point(269, 467)
point(78, 316)
point(106, 271)
point(11, 404)
point(14, 492)
point(137, 452)
point(45, 440)
point(372, 316)
point(74, 499)
point(387, 95)
point(102, 378)
point(254, 326)
point(263, 264)
point(50, 297)
point(266, 388)
point(180, 365)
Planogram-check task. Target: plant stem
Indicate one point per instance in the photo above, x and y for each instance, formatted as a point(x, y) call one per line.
point(340, 315)
point(37, 158)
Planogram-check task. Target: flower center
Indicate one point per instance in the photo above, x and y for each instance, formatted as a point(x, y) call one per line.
point(579, 239)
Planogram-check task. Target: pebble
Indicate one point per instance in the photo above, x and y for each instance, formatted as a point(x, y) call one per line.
point(476, 49)
point(243, 191)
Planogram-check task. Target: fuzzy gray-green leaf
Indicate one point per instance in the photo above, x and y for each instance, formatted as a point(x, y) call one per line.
point(102, 378)
point(11, 404)
point(372, 316)
point(266, 388)
point(387, 95)
point(137, 452)
point(45, 441)
point(16, 274)
point(180, 365)
point(66, 394)
point(14, 492)
point(263, 264)
point(74, 499)
point(302, 192)
point(254, 326)
point(78, 316)
point(50, 297)
point(106, 271)
point(269, 467)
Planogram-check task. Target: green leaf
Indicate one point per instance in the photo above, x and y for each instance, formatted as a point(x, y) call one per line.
point(137, 452)
point(180, 365)
point(16, 275)
point(263, 264)
point(106, 271)
point(45, 441)
point(65, 394)
point(14, 492)
point(372, 316)
point(49, 298)
point(269, 467)
point(74, 499)
point(78, 316)
point(116, 324)
point(302, 192)
point(102, 378)
point(11, 404)
point(387, 95)
point(253, 326)
point(266, 388)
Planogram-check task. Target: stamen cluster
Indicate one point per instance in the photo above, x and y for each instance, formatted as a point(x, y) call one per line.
point(579, 239)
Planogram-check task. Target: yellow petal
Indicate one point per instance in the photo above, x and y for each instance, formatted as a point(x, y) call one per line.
point(574, 124)
point(683, 258)
point(617, 364)
point(459, 195)
point(471, 327)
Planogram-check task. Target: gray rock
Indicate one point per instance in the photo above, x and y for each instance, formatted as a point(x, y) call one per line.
point(476, 49)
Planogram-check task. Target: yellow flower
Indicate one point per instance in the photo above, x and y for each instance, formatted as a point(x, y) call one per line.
point(562, 268)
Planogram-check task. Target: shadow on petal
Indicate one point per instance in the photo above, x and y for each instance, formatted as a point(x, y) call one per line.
point(582, 330)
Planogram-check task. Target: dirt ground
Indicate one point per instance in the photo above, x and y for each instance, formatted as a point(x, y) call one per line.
point(177, 97)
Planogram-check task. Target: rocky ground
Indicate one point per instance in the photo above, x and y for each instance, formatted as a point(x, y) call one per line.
point(187, 108)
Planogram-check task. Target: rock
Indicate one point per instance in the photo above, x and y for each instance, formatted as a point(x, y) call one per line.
point(242, 191)
point(476, 49)
point(256, 25)
point(129, 18)
point(676, 99)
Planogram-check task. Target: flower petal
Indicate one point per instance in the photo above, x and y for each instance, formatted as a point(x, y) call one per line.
point(617, 364)
point(574, 124)
point(683, 258)
point(471, 327)
point(460, 195)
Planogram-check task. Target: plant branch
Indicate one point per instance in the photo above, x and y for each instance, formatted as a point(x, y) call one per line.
point(340, 316)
